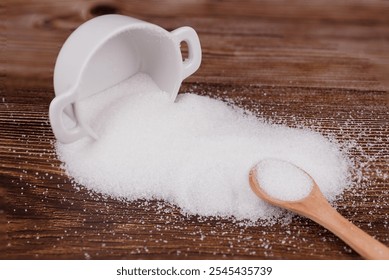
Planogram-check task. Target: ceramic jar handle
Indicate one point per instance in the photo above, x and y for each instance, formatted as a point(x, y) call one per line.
point(189, 35)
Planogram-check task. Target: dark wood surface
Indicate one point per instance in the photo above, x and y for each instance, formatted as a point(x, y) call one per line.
point(321, 64)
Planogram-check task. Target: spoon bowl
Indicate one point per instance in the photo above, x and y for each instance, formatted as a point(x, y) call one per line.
point(316, 207)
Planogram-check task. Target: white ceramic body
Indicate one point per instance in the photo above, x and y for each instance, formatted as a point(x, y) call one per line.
point(109, 49)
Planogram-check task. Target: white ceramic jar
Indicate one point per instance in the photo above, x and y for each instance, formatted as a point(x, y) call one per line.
point(109, 49)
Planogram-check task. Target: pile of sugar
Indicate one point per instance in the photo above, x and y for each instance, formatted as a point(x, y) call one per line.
point(195, 153)
point(282, 180)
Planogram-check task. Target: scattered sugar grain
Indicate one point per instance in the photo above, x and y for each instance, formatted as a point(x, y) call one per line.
point(195, 153)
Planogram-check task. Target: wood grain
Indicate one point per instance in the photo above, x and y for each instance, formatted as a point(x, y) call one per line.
point(321, 64)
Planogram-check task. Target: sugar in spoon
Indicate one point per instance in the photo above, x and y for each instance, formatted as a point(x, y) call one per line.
point(312, 204)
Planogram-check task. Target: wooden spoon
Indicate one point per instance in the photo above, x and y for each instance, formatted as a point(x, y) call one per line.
point(316, 207)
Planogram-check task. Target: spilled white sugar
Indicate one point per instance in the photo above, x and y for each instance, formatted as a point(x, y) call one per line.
point(195, 153)
point(283, 180)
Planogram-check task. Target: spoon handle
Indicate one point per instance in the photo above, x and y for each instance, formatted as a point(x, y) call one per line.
point(364, 244)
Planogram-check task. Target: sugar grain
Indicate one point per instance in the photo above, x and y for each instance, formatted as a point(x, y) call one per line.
point(195, 153)
point(283, 180)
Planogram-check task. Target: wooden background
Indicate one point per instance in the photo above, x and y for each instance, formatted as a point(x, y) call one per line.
point(320, 64)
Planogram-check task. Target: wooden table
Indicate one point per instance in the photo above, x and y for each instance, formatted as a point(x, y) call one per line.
point(320, 64)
